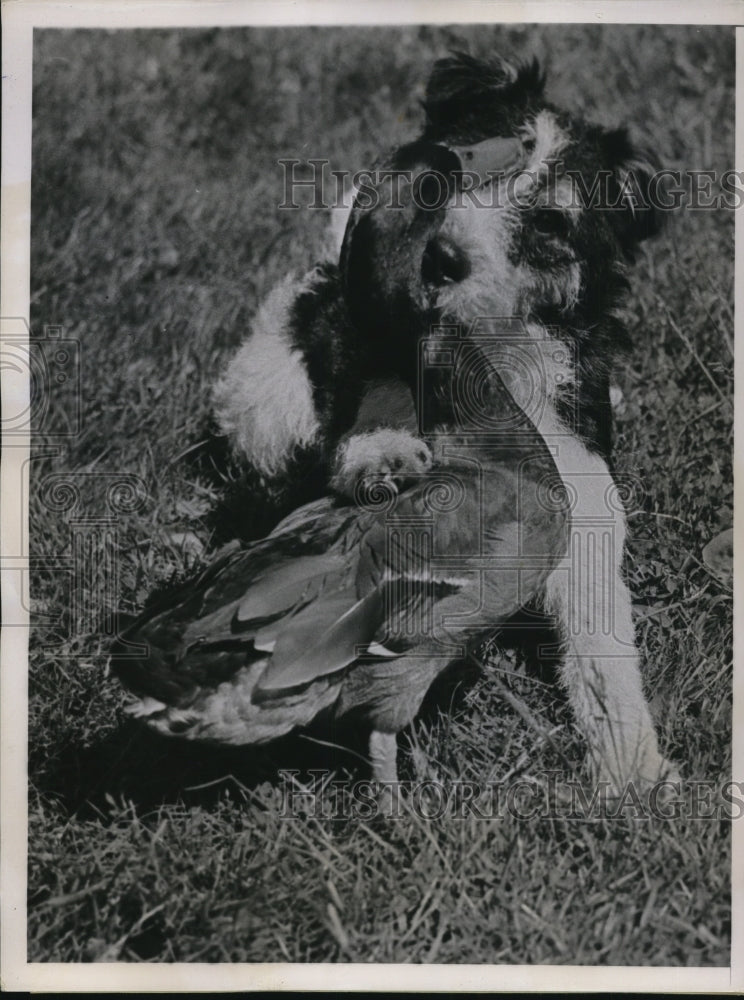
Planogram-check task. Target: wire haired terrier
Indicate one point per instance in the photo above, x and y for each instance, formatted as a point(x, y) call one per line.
point(506, 211)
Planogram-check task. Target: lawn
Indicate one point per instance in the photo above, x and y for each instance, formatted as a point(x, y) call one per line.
point(155, 234)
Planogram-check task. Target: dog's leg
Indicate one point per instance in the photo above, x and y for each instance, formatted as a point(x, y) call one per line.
point(264, 401)
point(382, 444)
point(592, 605)
point(287, 388)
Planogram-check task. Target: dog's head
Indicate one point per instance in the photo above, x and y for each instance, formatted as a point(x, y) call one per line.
point(387, 256)
point(504, 207)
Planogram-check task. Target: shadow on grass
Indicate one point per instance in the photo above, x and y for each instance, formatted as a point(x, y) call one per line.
point(134, 764)
point(248, 507)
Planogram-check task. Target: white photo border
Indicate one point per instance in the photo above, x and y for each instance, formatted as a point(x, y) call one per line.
point(20, 17)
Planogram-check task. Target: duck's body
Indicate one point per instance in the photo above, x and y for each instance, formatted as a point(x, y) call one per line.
point(357, 607)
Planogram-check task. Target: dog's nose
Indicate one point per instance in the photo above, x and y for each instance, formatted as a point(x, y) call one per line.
point(443, 262)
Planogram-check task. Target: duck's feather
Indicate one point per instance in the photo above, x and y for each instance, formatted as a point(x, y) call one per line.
point(294, 583)
point(333, 637)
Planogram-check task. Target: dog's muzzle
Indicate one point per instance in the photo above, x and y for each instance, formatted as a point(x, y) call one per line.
point(444, 262)
point(395, 257)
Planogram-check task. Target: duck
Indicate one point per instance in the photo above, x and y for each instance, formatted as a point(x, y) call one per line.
point(358, 605)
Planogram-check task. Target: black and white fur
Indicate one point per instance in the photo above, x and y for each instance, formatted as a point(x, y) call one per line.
point(319, 367)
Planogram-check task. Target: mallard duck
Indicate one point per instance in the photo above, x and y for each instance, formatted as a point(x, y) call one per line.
point(359, 606)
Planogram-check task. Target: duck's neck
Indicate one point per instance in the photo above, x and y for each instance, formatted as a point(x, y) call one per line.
point(469, 401)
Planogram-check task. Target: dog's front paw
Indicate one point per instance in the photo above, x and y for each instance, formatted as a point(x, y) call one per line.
point(646, 773)
point(387, 455)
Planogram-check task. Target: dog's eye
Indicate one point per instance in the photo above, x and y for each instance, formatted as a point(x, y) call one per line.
point(550, 222)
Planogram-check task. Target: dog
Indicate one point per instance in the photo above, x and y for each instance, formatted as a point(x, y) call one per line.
point(535, 224)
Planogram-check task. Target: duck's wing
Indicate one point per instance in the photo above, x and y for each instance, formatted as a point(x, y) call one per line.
point(478, 559)
point(326, 637)
point(391, 595)
point(208, 628)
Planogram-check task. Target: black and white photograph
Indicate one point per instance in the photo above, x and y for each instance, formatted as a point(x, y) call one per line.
point(373, 541)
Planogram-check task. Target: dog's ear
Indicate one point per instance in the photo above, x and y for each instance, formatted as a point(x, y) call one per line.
point(635, 215)
point(463, 87)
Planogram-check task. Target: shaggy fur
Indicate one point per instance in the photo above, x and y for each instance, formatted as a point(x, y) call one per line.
point(333, 358)
point(265, 371)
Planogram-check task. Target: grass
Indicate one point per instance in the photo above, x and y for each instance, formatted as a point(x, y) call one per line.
point(155, 233)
